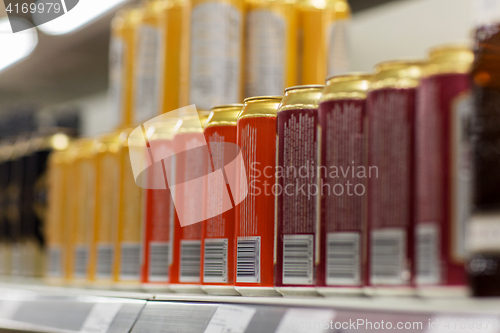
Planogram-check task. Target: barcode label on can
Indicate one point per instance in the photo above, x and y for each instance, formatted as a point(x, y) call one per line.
point(298, 260)
point(343, 259)
point(104, 261)
point(130, 261)
point(81, 261)
point(190, 261)
point(248, 259)
point(388, 250)
point(159, 261)
point(427, 248)
point(54, 267)
point(215, 260)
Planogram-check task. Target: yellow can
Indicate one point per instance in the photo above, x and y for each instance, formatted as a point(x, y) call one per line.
point(271, 47)
point(127, 246)
point(84, 179)
point(122, 63)
point(69, 209)
point(212, 53)
point(157, 61)
point(6, 151)
point(106, 209)
point(324, 44)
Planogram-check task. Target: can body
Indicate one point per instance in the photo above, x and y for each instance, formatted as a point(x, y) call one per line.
point(127, 245)
point(270, 47)
point(443, 152)
point(57, 177)
point(212, 53)
point(103, 233)
point(296, 192)
point(158, 226)
point(391, 114)
point(325, 44)
point(6, 231)
point(189, 199)
point(217, 260)
point(148, 64)
point(343, 173)
point(254, 229)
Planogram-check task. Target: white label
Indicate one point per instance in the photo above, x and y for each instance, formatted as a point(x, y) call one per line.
point(148, 76)
point(190, 261)
point(230, 319)
point(305, 320)
point(486, 11)
point(116, 64)
point(159, 261)
point(265, 53)
point(338, 47)
point(215, 260)
point(388, 261)
point(248, 259)
point(484, 233)
point(130, 262)
point(427, 248)
point(298, 260)
point(54, 266)
point(105, 254)
point(462, 175)
point(343, 259)
point(215, 54)
point(81, 261)
point(100, 318)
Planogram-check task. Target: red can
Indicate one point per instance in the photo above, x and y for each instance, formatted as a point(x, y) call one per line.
point(443, 151)
point(217, 240)
point(191, 166)
point(391, 185)
point(254, 230)
point(343, 173)
point(159, 212)
point(296, 191)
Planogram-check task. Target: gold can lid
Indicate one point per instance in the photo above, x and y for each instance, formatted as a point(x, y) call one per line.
point(398, 74)
point(301, 97)
point(85, 148)
point(224, 115)
point(260, 106)
point(347, 86)
point(109, 142)
point(339, 8)
point(443, 59)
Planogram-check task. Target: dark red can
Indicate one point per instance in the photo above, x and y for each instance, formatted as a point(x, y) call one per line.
point(391, 184)
point(343, 176)
point(443, 179)
point(296, 191)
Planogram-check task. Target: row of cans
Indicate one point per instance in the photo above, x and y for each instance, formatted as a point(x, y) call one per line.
point(170, 53)
point(359, 186)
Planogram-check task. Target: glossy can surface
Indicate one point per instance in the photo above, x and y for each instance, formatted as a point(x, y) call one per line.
point(255, 251)
point(343, 177)
point(296, 188)
point(443, 156)
point(391, 198)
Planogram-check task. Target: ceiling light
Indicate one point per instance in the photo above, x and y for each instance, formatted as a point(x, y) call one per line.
point(16, 46)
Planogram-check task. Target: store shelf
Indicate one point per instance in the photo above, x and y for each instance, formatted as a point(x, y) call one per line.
point(38, 308)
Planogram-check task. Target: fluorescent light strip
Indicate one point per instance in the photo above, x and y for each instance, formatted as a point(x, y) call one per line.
point(15, 46)
point(83, 13)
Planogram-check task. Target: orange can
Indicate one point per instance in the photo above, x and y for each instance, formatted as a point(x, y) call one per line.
point(158, 212)
point(217, 241)
point(191, 163)
point(255, 229)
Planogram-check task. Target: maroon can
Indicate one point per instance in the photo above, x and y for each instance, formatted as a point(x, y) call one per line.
point(296, 191)
point(343, 176)
point(443, 178)
point(391, 185)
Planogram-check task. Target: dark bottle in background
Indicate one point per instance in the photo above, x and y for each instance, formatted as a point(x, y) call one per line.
point(484, 236)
